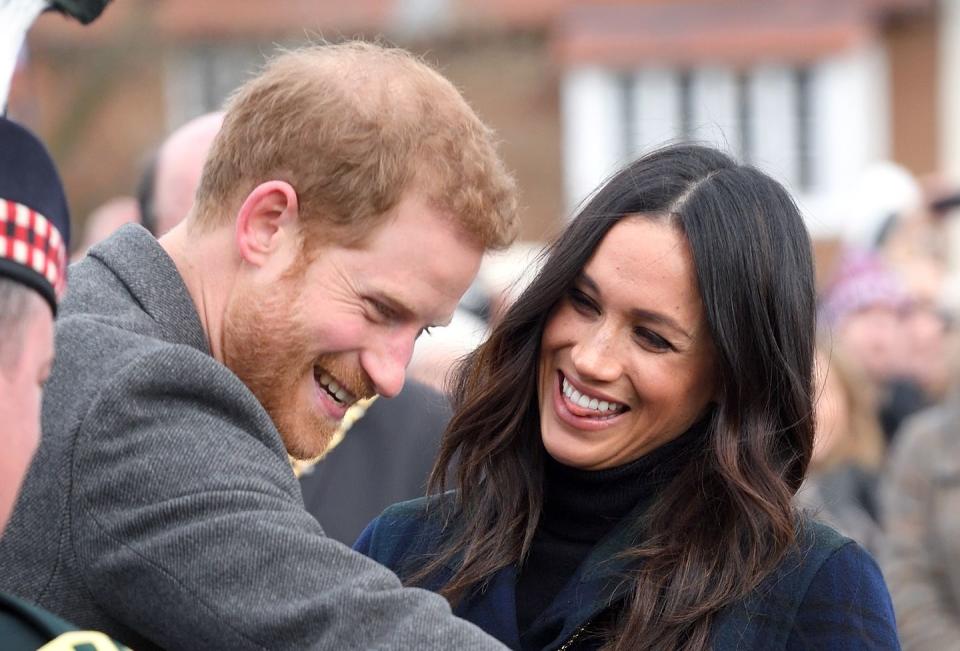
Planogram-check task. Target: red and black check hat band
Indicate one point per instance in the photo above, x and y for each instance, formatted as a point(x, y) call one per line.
point(32, 250)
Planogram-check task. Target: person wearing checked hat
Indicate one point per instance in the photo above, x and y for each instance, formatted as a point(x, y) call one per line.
point(34, 235)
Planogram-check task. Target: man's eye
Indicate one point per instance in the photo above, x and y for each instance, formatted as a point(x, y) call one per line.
point(383, 310)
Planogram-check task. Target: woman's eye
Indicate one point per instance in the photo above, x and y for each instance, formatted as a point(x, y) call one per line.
point(582, 303)
point(424, 331)
point(652, 340)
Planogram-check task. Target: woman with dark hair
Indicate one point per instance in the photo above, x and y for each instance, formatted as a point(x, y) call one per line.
point(630, 437)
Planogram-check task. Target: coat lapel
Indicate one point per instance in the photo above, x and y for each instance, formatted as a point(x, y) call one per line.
point(152, 278)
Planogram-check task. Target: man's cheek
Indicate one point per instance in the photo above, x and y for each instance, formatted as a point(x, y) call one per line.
point(347, 334)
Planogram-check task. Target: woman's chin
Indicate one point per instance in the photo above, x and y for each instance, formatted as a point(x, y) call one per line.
point(565, 450)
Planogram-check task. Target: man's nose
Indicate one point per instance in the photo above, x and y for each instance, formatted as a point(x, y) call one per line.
point(386, 365)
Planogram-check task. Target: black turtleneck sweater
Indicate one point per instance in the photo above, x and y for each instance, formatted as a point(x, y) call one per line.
point(580, 507)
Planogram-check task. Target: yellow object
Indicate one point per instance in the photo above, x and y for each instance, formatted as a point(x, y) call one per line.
point(73, 640)
point(353, 414)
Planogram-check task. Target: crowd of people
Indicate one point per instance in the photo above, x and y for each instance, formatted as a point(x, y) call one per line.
point(665, 436)
point(885, 467)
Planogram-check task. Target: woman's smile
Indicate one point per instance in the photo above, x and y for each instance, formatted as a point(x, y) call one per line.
point(583, 409)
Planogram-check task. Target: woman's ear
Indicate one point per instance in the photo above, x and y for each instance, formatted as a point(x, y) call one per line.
point(268, 217)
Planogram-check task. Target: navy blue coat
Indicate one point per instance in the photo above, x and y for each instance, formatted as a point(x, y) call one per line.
point(828, 594)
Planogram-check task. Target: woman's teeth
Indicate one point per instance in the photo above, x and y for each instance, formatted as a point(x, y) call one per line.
point(334, 389)
point(587, 402)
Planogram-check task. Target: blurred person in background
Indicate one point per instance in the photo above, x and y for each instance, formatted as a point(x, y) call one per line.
point(104, 220)
point(919, 252)
point(35, 224)
point(172, 174)
point(928, 329)
point(920, 488)
point(920, 507)
point(189, 369)
point(848, 449)
point(915, 247)
point(862, 310)
point(166, 188)
point(894, 228)
point(629, 439)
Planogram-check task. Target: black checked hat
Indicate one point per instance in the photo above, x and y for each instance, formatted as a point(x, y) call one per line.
point(34, 219)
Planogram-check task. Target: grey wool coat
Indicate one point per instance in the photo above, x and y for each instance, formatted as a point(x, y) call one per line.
point(161, 508)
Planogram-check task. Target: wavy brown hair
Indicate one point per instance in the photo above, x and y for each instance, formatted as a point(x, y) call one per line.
point(725, 521)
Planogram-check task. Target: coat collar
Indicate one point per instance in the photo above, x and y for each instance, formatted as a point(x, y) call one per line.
point(594, 587)
point(135, 257)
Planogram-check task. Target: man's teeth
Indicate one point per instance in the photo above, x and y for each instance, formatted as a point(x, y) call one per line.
point(586, 402)
point(334, 389)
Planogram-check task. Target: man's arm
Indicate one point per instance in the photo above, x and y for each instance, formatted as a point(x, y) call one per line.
point(189, 527)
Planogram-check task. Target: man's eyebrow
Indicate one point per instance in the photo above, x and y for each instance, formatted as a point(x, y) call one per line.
point(405, 313)
point(639, 314)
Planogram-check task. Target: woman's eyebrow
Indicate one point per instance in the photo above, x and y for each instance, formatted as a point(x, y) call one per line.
point(585, 279)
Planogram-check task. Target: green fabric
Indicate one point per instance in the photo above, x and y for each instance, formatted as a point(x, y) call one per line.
point(24, 626)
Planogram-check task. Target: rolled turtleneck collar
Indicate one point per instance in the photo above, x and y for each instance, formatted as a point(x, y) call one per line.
point(580, 507)
point(583, 505)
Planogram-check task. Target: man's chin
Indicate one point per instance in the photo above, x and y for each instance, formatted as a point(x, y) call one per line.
point(307, 446)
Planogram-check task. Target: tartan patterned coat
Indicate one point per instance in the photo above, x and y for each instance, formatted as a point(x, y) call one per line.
point(826, 595)
point(921, 508)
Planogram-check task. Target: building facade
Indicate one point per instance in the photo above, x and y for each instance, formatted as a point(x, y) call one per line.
point(813, 91)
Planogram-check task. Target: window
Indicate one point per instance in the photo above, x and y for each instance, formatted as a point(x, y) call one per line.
point(762, 115)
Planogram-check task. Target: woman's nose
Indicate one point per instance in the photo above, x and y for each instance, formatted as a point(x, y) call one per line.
point(596, 357)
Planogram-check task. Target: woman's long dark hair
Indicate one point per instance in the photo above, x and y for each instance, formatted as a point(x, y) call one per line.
point(726, 520)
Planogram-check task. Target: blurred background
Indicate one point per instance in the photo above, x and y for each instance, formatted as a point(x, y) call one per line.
point(816, 92)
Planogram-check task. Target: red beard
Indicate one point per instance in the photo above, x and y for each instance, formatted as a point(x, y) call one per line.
point(267, 345)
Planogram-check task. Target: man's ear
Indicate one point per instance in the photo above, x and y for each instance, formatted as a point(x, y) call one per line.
point(267, 217)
